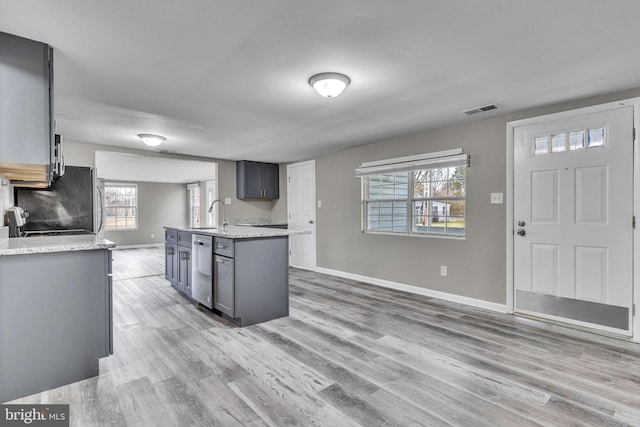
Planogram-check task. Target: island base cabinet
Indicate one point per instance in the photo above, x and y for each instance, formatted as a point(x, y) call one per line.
point(223, 285)
point(184, 270)
point(56, 317)
point(261, 277)
point(171, 263)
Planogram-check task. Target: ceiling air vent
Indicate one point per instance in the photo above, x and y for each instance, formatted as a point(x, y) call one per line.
point(483, 109)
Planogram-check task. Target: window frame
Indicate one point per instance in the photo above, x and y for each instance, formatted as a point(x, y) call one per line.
point(409, 166)
point(134, 206)
point(192, 189)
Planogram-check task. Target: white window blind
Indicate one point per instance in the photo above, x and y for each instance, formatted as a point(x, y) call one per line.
point(439, 159)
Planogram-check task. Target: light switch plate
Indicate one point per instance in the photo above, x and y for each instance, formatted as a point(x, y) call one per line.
point(497, 199)
point(227, 200)
point(319, 203)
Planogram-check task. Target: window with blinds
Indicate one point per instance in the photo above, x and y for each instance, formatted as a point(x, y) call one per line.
point(417, 195)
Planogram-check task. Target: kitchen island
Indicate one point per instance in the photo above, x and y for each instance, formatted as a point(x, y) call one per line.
point(55, 311)
point(245, 270)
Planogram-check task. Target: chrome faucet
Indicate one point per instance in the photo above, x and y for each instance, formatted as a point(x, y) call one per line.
point(224, 211)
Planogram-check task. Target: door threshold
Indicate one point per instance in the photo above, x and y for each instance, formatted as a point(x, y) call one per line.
point(554, 321)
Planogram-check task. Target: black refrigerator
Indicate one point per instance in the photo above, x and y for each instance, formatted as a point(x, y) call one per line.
point(73, 202)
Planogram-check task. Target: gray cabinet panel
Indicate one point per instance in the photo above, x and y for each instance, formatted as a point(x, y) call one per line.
point(255, 180)
point(261, 279)
point(184, 270)
point(171, 263)
point(56, 320)
point(184, 238)
point(224, 285)
point(170, 235)
point(25, 102)
point(223, 246)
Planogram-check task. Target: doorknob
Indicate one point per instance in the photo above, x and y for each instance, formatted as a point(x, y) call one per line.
point(521, 232)
point(310, 221)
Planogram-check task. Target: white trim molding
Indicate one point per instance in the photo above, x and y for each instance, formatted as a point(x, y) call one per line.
point(487, 305)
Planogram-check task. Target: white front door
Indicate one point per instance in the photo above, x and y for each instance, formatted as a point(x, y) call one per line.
point(301, 199)
point(573, 214)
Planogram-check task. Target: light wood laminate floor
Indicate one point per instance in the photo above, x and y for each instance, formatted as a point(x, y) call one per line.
point(349, 354)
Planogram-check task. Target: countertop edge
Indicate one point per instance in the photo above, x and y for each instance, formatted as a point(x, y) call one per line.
point(241, 232)
point(34, 245)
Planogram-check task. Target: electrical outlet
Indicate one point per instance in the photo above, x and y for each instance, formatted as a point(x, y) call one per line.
point(227, 200)
point(496, 198)
point(153, 236)
point(443, 270)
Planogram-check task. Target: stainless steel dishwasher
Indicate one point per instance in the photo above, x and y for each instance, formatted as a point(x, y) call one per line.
point(201, 271)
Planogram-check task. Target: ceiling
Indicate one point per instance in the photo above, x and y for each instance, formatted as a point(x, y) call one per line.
point(228, 79)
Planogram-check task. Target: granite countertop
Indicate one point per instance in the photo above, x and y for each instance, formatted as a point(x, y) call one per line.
point(241, 232)
point(39, 245)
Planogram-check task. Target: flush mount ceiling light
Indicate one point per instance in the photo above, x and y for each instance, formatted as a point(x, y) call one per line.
point(329, 85)
point(151, 140)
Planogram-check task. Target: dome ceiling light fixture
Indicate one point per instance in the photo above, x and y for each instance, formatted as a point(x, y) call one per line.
point(151, 140)
point(329, 85)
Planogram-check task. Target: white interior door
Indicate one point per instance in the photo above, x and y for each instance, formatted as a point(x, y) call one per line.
point(301, 204)
point(573, 214)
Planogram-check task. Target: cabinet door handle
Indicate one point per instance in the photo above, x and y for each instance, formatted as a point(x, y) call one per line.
point(221, 261)
point(220, 246)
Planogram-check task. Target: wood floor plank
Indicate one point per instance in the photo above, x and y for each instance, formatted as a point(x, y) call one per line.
point(349, 354)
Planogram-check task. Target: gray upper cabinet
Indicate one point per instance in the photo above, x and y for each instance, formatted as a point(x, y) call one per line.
point(257, 180)
point(26, 126)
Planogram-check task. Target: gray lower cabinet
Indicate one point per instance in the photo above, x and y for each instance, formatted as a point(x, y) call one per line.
point(184, 270)
point(56, 315)
point(177, 263)
point(171, 256)
point(251, 278)
point(224, 285)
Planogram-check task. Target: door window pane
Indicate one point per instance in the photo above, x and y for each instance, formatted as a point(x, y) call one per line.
point(558, 142)
point(595, 137)
point(541, 145)
point(576, 140)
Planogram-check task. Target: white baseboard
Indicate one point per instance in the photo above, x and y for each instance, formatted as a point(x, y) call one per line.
point(501, 308)
point(145, 245)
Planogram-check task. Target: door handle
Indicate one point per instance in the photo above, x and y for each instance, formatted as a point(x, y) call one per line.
point(521, 232)
point(310, 221)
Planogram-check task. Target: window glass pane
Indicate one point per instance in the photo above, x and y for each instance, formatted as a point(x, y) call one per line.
point(595, 137)
point(421, 183)
point(541, 145)
point(576, 140)
point(558, 142)
point(120, 206)
point(437, 204)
